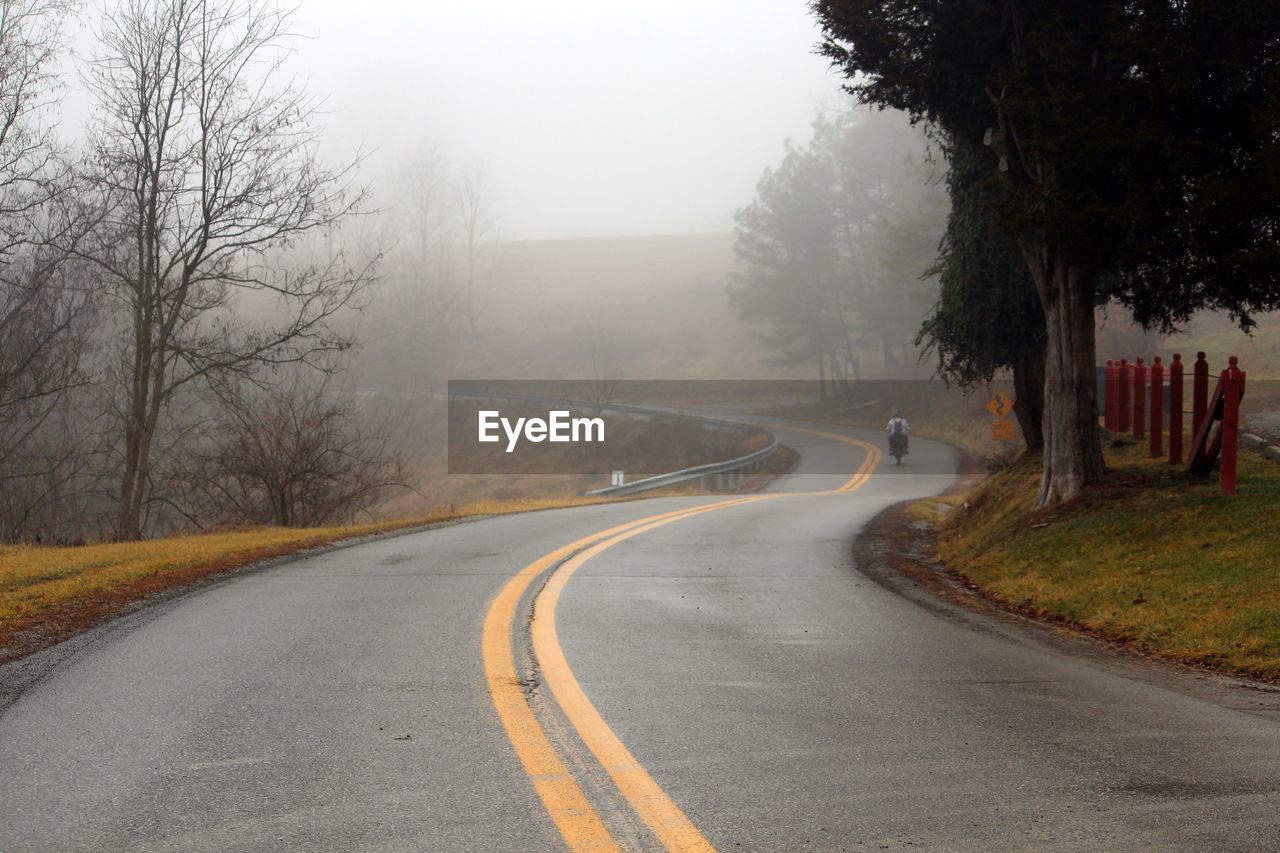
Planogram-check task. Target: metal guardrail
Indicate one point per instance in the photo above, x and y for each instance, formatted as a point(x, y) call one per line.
point(727, 472)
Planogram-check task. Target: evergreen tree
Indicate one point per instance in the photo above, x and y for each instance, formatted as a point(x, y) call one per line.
point(834, 247)
point(988, 315)
point(1132, 138)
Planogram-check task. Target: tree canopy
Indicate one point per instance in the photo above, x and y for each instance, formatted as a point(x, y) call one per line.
point(835, 242)
point(1131, 139)
point(988, 316)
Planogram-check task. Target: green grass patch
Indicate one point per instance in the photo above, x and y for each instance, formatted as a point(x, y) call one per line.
point(1154, 557)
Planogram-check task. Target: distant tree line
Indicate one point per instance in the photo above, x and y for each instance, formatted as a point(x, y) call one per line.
point(835, 247)
point(437, 229)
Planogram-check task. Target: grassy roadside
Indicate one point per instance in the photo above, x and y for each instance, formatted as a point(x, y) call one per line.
point(50, 593)
point(1152, 558)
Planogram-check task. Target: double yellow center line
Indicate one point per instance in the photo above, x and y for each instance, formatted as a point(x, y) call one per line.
point(574, 816)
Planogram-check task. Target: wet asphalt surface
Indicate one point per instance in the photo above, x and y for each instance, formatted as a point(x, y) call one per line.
point(783, 699)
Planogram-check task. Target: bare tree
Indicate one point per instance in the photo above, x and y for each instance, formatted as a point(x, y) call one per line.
point(35, 314)
point(427, 217)
point(31, 37)
point(474, 210)
point(205, 166)
point(419, 310)
point(299, 454)
point(51, 483)
point(44, 320)
point(46, 308)
point(601, 356)
point(439, 228)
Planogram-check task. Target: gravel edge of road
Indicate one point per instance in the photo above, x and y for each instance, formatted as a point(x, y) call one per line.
point(895, 551)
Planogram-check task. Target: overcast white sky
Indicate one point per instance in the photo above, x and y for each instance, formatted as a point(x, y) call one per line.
point(596, 117)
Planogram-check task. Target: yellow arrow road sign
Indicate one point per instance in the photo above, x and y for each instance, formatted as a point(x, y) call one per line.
point(1000, 405)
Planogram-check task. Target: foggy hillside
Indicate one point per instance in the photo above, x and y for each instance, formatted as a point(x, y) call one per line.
point(635, 307)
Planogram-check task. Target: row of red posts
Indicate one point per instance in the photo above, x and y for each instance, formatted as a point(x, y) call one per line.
point(1134, 401)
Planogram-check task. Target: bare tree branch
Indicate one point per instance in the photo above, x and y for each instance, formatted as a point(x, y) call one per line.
point(204, 163)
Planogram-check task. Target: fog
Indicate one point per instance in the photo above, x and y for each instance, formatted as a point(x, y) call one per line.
point(380, 201)
point(596, 119)
point(428, 191)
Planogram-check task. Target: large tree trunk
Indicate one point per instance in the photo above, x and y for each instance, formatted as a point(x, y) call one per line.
point(1028, 393)
point(126, 523)
point(1072, 453)
point(134, 475)
point(142, 423)
point(137, 474)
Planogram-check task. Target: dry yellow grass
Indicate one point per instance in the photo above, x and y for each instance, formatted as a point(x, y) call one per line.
point(935, 508)
point(49, 593)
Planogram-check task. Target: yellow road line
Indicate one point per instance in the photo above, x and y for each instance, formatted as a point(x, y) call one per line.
point(563, 799)
point(573, 815)
point(864, 471)
point(649, 801)
point(868, 467)
point(568, 807)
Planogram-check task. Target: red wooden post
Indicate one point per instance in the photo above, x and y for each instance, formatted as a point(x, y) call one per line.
point(1157, 409)
point(1106, 395)
point(1115, 395)
point(1109, 400)
point(1175, 410)
point(1139, 399)
point(1233, 386)
point(1122, 398)
point(1199, 392)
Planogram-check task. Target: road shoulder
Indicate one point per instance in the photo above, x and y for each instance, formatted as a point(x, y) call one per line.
point(46, 654)
point(896, 550)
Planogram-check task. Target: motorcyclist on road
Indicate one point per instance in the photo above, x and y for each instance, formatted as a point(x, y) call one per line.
point(898, 428)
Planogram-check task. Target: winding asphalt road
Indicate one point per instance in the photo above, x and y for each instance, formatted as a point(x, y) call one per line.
point(726, 678)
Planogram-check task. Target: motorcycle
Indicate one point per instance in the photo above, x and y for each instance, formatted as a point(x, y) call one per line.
point(898, 446)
